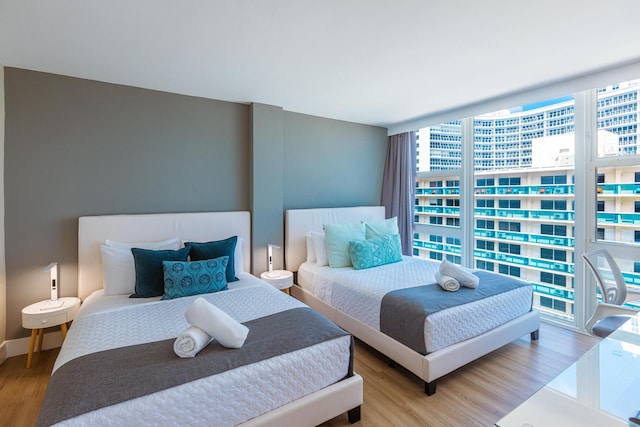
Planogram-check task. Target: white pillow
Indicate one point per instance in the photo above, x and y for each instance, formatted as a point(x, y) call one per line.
point(320, 248)
point(118, 268)
point(237, 256)
point(311, 252)
point(162, 244)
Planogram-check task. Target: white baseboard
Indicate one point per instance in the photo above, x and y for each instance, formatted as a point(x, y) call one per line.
point(3, 352)
point(20, 346)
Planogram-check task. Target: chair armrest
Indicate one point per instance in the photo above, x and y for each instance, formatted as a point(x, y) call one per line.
point(604, 310)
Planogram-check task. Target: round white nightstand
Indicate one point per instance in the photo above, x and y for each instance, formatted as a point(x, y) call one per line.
point(45, 314)
point(281, 279)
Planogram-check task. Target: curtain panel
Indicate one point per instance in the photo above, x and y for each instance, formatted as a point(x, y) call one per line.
point(399, 183)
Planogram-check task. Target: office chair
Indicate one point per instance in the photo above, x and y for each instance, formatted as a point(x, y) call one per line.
point(609, 314)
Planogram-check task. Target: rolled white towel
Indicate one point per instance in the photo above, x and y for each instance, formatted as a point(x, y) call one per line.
point(191, 341)
point(447, 283)
point(465, 278)
point(215, 322)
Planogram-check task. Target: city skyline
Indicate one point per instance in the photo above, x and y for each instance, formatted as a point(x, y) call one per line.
point(513, 130)
point(524, 191)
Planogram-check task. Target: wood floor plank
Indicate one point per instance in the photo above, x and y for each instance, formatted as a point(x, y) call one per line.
point(477, 394)
point(22, 389)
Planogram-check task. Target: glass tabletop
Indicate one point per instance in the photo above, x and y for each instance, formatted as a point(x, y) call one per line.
point(602, 388)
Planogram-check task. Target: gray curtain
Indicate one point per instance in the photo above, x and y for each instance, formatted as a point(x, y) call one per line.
point(399, 183)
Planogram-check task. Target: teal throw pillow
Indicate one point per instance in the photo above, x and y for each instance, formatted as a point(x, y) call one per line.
point(375, 252)
point(183, 279)
point(149, 272)
point(337, 238)
point(382, 228)
point(210, 250)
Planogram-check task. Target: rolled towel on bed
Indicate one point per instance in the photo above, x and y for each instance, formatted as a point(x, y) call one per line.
point(463, 277)
point(215, 322)
point(447, 283)
point(191, 341)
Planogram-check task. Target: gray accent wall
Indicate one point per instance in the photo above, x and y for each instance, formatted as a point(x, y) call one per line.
point(77, 147)
point(332, 163)
point(267, 190)
point(303, 161)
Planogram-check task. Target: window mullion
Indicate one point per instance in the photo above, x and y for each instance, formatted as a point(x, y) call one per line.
point(466, 192)
point(586, 128)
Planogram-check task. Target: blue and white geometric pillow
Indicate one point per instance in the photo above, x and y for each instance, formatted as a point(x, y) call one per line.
point(375, 252)
point(183, 279)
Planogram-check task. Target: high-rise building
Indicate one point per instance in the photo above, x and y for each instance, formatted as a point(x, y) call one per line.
point(524, 192)
point(504, 139)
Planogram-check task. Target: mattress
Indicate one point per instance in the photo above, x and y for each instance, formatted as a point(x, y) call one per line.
point(228, 398)
point(359, 294)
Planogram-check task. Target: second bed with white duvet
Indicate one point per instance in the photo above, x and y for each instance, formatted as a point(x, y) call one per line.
point(359, 293)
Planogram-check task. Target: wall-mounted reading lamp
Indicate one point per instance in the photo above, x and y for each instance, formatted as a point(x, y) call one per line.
point(53, 269)
point(270, 256)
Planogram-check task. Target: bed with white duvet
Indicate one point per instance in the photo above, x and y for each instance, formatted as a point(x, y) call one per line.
point(359, 294)
point(353, 298)
point(117, 364)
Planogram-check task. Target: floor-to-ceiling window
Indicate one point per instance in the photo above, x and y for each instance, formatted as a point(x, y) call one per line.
point(437, 234)
point(524, 169)
point(616, 162)
point(524, 200)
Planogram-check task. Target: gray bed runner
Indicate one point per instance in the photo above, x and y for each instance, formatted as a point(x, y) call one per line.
point(78, 387)
point(403, 312)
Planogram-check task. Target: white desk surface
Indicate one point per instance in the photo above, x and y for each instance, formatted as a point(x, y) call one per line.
point(602, 388)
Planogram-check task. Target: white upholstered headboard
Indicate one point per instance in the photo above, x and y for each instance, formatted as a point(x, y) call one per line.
point(202, 227)
point(298, 222)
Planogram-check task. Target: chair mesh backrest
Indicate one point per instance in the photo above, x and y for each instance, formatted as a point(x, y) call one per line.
point(608, 276)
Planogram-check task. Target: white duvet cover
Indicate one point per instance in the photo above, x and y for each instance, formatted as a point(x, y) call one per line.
point(359, 294)
point(226, 399)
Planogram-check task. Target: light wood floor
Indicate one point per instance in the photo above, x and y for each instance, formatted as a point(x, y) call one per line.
point(478, 394)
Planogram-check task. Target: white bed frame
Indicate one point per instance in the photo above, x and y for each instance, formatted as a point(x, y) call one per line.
point(311, 410)
point(430, 367)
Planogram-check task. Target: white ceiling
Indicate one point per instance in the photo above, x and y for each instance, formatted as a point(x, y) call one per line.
point(366, 61)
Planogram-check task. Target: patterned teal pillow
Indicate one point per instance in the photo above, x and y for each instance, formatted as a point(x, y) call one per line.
point(374, 252)
point(182, 279)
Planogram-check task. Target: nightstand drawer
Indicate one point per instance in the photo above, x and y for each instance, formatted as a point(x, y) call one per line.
point(43, 320)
